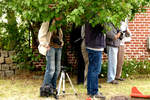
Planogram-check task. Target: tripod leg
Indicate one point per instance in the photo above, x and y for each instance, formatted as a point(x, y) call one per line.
point(63, 83)
point(59, 85)
point(71, 84)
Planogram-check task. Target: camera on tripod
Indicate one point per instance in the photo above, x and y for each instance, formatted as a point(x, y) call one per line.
point(124, 34)
point(63, 76)
point(64, 68)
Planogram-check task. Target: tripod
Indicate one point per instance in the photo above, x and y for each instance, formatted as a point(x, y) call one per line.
point(62, 80)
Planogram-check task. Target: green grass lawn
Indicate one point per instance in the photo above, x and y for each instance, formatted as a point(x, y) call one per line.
point(26, 87)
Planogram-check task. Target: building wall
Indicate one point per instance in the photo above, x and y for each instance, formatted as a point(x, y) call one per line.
point(140, 28)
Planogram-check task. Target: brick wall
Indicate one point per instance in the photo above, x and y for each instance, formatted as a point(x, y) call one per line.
point(140, 28)
point(41, 62)
point(137, 48)
point(71, 59)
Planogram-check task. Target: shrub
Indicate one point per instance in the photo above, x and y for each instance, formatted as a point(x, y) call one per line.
point(130, 67)
point(25, 58)
point(134, 67)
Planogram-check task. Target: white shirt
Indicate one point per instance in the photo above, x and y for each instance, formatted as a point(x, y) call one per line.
point(124, 27)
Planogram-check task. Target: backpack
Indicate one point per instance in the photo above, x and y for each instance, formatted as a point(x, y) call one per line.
point(47, 90)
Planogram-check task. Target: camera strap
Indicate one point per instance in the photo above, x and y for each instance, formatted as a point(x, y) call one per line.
point(115, 27)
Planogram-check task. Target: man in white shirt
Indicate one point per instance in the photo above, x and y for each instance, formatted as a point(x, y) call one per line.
point(123, 28)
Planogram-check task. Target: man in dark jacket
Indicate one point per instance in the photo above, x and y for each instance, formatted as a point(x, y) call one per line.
point(113, 42)
point(76, 40)
point(95, 43)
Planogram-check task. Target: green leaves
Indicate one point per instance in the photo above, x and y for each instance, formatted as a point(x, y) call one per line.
point(78, 11)
point(75, 15)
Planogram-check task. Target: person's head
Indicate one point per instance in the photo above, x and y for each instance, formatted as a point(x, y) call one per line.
point(52, 7)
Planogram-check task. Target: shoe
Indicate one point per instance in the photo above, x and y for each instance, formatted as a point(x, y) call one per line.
point(98, 95)
point(120, 79)
point(99, 86)
point(88, 94)
point(92, 95)
point(114, 82)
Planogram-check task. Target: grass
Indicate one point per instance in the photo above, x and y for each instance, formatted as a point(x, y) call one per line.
point(26, 87)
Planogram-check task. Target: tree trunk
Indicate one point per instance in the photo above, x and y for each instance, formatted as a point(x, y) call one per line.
point(12, 29)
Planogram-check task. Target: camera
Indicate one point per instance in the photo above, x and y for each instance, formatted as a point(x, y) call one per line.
point(57, 41)
point(124, 34)
point(121, 35)
point(64, 68)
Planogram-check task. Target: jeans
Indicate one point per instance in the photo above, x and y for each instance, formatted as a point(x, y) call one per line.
point(53, 66)
point(112, 62)
point(93, 71)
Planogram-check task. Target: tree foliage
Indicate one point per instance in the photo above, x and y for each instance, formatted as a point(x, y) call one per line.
point(25, 17)
point(78, 11)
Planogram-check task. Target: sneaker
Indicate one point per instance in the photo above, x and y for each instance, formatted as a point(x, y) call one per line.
point(114, 82)
point(120, 79)
point(92, 95)
point(98, 95)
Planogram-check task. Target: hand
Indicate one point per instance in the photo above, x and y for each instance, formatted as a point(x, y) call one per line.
point(127, 34)
point(48, 47)
point(117, 36)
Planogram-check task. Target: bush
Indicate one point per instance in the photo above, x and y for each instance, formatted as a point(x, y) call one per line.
point(25, 58)
point(104, 69)
point(134, 67)
point(131, 67)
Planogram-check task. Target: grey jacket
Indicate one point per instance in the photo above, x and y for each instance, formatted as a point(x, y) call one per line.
point(110, 36)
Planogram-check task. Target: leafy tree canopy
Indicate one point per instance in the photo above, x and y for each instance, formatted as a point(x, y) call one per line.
point(77, 11)
point(23, 18)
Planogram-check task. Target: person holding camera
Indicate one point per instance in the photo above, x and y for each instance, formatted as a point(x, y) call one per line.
point(112, 42)
point(95, 43)
point(125, 37)
point(50, 45)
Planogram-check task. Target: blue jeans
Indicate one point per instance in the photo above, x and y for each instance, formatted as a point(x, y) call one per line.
point(53, 66)
point(112, 63)
point(93, 71)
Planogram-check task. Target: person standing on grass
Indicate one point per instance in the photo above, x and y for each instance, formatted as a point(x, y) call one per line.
point(84, 54)
point(112, 42)
point(95, 43)
point(75, 41)
point(126, 38)
point(51, 43)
